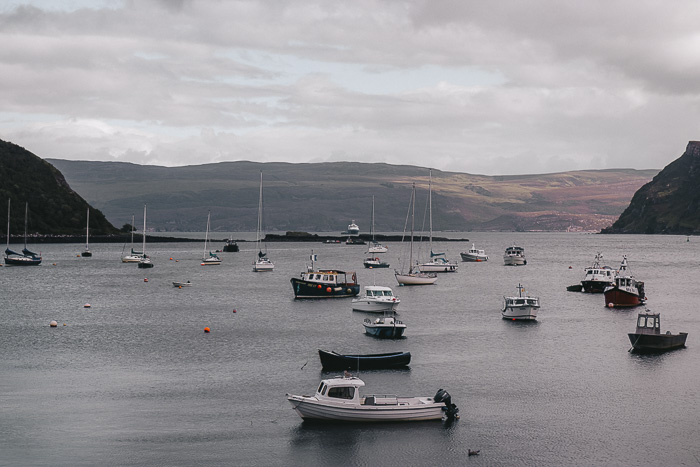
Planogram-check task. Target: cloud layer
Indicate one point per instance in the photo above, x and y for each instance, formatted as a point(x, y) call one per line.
point(481, 87)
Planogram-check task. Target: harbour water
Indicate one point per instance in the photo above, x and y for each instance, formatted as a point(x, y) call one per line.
point(134, 380)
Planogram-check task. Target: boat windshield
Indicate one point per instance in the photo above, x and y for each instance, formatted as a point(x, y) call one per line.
point(347, 392)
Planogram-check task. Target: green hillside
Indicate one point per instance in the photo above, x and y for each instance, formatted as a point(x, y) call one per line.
point(54, 208)
point(327, 196)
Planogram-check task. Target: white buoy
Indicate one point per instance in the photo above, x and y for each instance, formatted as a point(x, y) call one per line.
point(53, 324)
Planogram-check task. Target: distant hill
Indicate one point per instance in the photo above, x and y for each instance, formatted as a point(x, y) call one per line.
point(670, 203)
point(325, 197)
point(53, 207)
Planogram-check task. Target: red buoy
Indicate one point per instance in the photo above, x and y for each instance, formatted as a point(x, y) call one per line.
point(206, 329)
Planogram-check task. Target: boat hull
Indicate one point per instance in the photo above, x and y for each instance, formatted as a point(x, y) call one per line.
point(438, 267)
point(422, 409)
point(616, 297)
point(657, 342)
point(469, 258)
point(86, 254)
point(377, 249)
point(374, 306)
point(22, 261)
point(376, 265)
point(306, 289)
point(595, 286)
point(520, 313)
point(385, 331)
point(230, 248)
point(145, 265)
point(263, 267)
point(415, 279)
point(514, 261)
point(336, 361)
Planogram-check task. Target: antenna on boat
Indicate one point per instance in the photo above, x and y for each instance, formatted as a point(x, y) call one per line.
point(313, 258)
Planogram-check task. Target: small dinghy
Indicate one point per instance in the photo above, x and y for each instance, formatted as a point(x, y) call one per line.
point(182, 284)
point(648, 338)
point(336, 361)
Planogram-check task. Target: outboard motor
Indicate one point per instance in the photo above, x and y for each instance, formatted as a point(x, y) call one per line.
point(451, 410)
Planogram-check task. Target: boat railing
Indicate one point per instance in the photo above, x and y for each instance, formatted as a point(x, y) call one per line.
point(381, 399)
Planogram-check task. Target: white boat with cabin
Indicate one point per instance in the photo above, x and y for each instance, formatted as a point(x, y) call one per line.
point(338, 399)
point(376, 299)
point(134, 256)
point(514, 256)
point(520, 307)
point(474, 255)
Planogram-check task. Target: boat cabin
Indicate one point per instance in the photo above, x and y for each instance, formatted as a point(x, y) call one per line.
point(649, 323)
point(522, 301)
point(606, 271)
point(515, 251)
point(341, 388)
point(329, 277)
point(372, 291)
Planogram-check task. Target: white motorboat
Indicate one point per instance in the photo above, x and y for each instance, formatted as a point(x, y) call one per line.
point(438, 261)
point(261, 262)
point(339, 399)
point(353, 229)
point(375, 246)
point(522, 307)
point(474, 255)
point(376, 299)
point(413, 277)
point(371, 263)
point(134, 256)
point(598, 277)
point(210, 259)
point(385, 327)
point(514, 256)
point(182, 284)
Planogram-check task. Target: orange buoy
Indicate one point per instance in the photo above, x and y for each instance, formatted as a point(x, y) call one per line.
point(145, 279)
point(177, 260)
point(87, 305)
point(206, 329)
point(610, 305)
point(319, 286)
point(53, 324)
point(328, 289)
point(65, 324)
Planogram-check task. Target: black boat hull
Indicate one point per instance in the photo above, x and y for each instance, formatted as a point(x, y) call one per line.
point(657, 342)
point(595, 286)
point(305, 289)
point(336, 361)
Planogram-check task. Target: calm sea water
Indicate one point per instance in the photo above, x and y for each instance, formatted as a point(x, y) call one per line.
point(134, 380)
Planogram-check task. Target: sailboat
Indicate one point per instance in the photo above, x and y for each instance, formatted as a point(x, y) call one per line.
point(413, 277)
point(262, 262)
point(438, 261)
point(26, 258)
point(375, 246)
point(144, 261)
point(87, 253)
point(209, 259)
point(134, 256)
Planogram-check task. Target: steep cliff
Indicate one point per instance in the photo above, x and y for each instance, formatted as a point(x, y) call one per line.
point(669, 203)
point(54, 208)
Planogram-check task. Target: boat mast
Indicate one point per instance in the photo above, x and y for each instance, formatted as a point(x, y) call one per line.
point(260, 213)
point(372, 232)
point(206, 235)
point(413, 215)
point(144, 232)
point(132, 234)
point(8, 223)
point(430, 211)
point(26, 213)
point(87, 230)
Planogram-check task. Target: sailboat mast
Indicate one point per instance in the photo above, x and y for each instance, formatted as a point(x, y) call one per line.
point(87, 230)
point(413, 215)
point(206, 235)
point(430, 210)
point(132, 234)
point(143, 248)
point(372, 219)
point(8, 223)
point(260, 210)
point(26, 214)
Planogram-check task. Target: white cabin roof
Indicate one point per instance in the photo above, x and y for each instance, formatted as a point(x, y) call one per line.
point(344, 382)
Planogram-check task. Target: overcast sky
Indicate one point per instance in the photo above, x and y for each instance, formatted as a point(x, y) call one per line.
point(474, 86)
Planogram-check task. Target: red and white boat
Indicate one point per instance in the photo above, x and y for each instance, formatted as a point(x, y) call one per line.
point(626, 291)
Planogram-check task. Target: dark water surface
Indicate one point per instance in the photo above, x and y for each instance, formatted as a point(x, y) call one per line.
point(134, 380)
